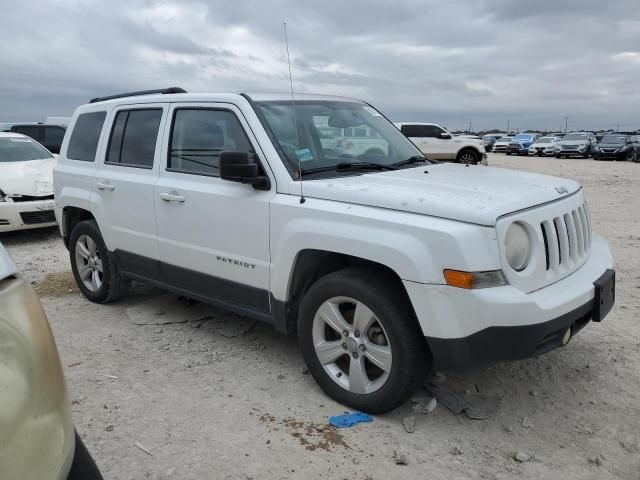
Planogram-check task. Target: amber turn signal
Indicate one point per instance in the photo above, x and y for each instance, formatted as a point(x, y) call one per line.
point(456, 278)
point(469, 280)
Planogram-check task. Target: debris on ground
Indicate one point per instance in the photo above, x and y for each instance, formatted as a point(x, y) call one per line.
point(475, 405)
point(597, 460)
point(347, 420)
point(400, 458)
point(630, 444)
point(521, 457)
point(526, 423)
point(140, 446)
point(456, 450)
point(409, 424)
point(423, 404)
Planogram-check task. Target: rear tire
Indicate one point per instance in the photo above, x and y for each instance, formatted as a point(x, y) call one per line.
point(93, 266)
point(373, 370)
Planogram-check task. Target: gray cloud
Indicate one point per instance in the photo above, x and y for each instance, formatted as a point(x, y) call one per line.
point(452, 62)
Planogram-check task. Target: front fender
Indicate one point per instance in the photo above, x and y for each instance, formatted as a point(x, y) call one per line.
point(416, 247)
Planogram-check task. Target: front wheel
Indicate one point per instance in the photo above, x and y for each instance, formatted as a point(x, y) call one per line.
point(93, 266)
point(468, 156)
point(360, 340)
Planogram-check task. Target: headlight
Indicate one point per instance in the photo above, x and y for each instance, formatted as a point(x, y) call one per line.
point(517, 246)
point(623, 149)
point(582, 147)
point(558, 148)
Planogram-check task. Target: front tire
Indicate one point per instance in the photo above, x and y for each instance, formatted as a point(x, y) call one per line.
point(93, 266)
point(468, 156)
point(360, 340)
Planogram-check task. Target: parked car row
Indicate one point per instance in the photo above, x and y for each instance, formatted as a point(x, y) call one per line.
point(576, 144)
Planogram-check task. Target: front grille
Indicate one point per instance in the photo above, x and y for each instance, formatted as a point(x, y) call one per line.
point(30, 198)
point(567, 238)
point(570, 147)
point(609, 150)
point(42, 216)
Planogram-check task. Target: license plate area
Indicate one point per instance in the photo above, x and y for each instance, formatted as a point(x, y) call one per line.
point(605, 295)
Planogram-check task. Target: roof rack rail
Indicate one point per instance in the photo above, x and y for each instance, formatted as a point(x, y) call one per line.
point(163, 91)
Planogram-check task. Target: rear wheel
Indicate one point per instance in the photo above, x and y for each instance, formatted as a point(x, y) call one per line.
point(468, 156)
point(93, 266)
point(360, 340)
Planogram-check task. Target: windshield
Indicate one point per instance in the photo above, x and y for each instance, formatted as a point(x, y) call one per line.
point(613, 139)
point(575, 136)
point(21, 149)
point(331, 133)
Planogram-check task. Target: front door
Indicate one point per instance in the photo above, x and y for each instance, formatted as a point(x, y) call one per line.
point(213, 234)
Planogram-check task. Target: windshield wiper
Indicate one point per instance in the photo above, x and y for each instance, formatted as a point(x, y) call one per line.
point(410, 160)
point(344, 166)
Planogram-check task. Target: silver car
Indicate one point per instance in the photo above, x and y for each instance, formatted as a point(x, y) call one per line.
point(37, 436)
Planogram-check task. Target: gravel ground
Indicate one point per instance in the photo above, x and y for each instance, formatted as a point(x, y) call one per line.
point(230, 399)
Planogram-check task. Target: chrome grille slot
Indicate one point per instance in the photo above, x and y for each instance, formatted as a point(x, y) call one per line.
point(566, 238)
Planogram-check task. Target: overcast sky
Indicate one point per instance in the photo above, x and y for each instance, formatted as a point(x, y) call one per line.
point(452, 62)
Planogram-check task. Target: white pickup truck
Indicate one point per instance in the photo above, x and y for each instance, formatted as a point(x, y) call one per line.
point(385, 264)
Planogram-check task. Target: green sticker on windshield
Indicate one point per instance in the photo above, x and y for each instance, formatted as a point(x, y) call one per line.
point(304, 154)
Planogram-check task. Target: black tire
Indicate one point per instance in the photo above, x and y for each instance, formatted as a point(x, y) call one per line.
point(508, 153)
point(411, 360)
point(114, 285)
point(470, 153)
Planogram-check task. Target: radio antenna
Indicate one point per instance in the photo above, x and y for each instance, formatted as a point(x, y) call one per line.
point(295, 115)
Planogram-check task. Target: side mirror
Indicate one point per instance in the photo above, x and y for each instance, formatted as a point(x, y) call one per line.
point(444, 135)
point(240, 167)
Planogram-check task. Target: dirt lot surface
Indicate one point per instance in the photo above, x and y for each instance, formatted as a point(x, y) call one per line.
point(226, 398)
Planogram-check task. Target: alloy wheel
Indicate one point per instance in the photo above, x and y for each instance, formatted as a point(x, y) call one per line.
point(352, 345)
point(89, 263)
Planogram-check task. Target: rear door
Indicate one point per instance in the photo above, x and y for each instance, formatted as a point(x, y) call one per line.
point(122, 199)
point(418, 134)
point(213, 234)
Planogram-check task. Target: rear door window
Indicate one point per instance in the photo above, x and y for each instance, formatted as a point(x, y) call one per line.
point(84, 138)
point(133, 138)
point(53, 135)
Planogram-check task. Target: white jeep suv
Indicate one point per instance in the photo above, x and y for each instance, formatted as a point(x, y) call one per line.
point(385, 264)
point(438, 144)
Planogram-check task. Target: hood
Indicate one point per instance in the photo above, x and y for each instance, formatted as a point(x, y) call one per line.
point(7, 268)
point(573, 142)
point(34, 177)
point(543, 145)
point(473, 194)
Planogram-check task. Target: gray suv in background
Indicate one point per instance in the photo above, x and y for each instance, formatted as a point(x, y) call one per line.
point(574, 144)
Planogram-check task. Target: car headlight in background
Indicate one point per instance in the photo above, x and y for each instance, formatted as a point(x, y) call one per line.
point(517, 246)
point(558, 148)
point(623, 149)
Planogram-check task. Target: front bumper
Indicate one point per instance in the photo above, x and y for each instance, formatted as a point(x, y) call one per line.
point(518, 151)
point(24, 215)
point(572, 152)
point(619, 156)
point(469, 328)
point(542, 153)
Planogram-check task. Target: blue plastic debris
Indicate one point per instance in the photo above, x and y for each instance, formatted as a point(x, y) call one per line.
point(350, 419)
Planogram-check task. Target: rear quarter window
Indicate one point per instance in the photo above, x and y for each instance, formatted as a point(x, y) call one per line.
point(85, 136)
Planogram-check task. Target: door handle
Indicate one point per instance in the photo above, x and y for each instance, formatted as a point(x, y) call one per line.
point(105, 186)
point(171, 197)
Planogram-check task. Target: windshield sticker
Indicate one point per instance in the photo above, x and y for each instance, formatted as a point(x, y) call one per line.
point(304, 155)
point(372, 111)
